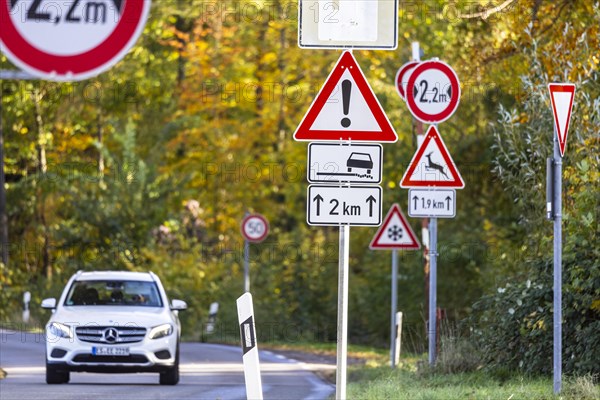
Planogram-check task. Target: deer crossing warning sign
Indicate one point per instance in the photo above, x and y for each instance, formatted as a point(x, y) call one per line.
point(432, 165)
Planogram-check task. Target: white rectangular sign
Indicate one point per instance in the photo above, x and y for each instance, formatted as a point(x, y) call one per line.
point(335, 162)
point(249, 347)
point(348, 24)
point(344, 205)
point(429, 203)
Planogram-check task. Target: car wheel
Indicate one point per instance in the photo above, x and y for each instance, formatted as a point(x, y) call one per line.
point(55, 375)
point(171, 376)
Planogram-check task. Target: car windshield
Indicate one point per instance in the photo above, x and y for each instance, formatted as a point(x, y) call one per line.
point(113, 293)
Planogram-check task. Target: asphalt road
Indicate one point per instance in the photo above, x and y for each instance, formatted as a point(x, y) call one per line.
point(208, 371)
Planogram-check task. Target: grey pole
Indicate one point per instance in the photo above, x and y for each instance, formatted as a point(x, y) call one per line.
point(246, 266)
point(394, 330)
point(557, 266)
point(342, 320)
point(432, 289)
point(17, 75)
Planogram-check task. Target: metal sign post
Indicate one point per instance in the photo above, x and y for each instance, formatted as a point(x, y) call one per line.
point(246, 266)
point(561, 99)
point(431, 332)
point(394, 330)
point(395, 234)
point(557, 359)
point(342, 322)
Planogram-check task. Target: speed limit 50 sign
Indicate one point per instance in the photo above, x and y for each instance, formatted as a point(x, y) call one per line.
point(69, 40)
point(255, 228)
point(432, 92)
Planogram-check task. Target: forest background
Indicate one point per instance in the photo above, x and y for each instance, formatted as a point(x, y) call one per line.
point(153, 164)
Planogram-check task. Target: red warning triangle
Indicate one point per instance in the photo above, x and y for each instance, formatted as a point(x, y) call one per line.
point(346, 109)
point(395, 233)
point(561, 97)
point(432, 165)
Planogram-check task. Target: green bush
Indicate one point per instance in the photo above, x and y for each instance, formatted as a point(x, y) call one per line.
point(514, 325)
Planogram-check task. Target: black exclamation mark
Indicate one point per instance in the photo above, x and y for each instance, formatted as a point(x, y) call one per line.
point(346, 90)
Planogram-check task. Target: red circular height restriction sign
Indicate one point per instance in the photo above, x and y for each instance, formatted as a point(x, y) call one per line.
point(69, 40)
point(255, 228)
point(402, 77)
point(432, 92)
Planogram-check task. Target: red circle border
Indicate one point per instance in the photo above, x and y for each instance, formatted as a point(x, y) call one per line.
point(261, 238)
point(400, 74)
point(95, 59)
point(452, 106)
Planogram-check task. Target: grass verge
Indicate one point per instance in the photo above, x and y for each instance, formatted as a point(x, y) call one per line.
point(420, 383)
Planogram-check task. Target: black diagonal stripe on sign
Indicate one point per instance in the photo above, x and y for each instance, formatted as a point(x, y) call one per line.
point(247, 334)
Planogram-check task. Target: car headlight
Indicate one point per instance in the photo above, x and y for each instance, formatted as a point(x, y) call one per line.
point(60, 330)
point(160, 331)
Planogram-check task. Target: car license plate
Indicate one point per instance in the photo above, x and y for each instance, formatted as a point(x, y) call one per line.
point(110, 351)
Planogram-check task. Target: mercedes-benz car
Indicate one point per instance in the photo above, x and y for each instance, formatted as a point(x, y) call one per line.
point(113, 322)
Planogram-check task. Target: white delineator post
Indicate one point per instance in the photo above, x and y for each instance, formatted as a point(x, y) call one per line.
point(398, 337)
point(249, 347)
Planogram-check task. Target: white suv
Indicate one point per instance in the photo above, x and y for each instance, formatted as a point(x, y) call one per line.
point(113, 322)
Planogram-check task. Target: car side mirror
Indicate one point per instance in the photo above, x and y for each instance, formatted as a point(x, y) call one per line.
point(178, 305)
point(49, 304)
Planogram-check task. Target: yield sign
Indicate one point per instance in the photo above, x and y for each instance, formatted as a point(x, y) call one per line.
point(432, 165)
point(395, 233)
point(346, 109)
point(561, 97)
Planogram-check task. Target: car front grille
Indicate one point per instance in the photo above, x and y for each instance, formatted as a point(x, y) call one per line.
point(131, 359)
point(110, 334)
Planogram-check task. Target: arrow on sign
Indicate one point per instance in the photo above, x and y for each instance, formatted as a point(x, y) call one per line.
point(337, 205)
point(371, 200)
point(438, 203)
point(318, 199)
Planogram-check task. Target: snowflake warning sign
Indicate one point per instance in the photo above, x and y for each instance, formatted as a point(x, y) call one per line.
point(395, 233)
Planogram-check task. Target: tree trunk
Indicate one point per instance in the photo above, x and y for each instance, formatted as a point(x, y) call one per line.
point(100, 134)
point(3, 216)
point(43, 169)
